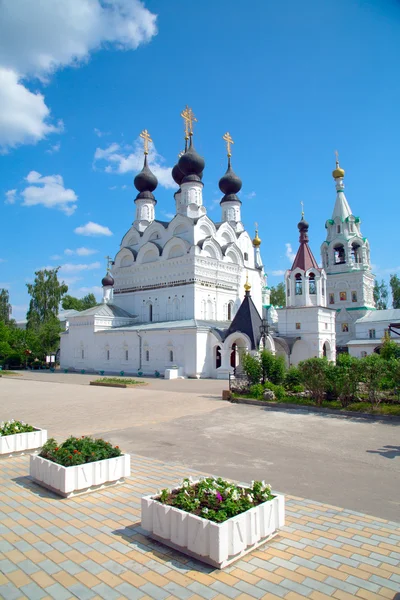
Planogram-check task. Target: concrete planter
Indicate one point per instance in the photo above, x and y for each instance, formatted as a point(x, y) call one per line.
point(217, 544)
point(19, 443)
point(70, 481)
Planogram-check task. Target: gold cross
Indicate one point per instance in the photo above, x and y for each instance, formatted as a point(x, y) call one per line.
point(189, 119)
point(229, 141)
point(146, 139)
point(302, 208)
point(109, 262)
point(337, 157)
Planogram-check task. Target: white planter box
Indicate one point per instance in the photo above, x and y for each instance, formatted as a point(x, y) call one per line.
point(70, 481)
point(217, 544)
point(19, 443)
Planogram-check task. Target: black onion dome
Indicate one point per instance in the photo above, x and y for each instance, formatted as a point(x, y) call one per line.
point(303, 225)
point(107, 280)
point(191, 163)
point(145, 181)
point(177, 175)
point(230, 183)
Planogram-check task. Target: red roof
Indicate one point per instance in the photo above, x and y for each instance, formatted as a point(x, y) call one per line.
point(304, 258)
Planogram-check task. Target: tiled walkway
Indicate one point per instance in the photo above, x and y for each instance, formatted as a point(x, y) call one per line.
point(93, 547)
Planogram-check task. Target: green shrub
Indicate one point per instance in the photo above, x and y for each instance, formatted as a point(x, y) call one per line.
point(252, 367)
point(297, 389)
point(78, 451)
point(314, 374)
point(292, 378)
point(256, 390)
point(273, 367)
point(279, 390)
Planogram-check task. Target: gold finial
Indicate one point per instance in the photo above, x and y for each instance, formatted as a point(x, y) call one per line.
point(338, 172)
point(188, 118)
point(256, 240)
point(302, 208)
point(109, 262)
point(146, 139)
point(247, 285)
point(229, 141)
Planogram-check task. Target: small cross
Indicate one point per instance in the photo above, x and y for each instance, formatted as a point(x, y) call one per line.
point(229, 141)
point(109, 262)
point(302, 208)
point(337, 157)
point(189, 119)
point(146, 139)
point(256, 226)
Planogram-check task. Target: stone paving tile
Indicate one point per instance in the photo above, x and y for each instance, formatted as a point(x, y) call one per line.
point(92, 547)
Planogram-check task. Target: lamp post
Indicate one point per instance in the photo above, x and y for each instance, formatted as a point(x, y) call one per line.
point(264, 330)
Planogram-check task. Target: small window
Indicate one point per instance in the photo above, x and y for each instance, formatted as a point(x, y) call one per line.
point(108, 354)
point(147, 355)
point(312, 286)
point(298, 285)
point(82, 353)
point(326, 325)
point(354, 296)
point(246, 256)
point(323, 287)
point(288, 289)
point(331, 298)
point(343, 296)
point(345, 327)
point(126, 354)
point(338, 228)
point(351, 227)
point(372, 334)
point(298, 325)
point(230, 311)
point(363, 354)
point(171, 356)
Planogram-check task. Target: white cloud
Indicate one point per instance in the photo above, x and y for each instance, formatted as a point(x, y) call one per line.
point(250, 196)
point(56, 257)
point(3, 260)
point(278, 272)
point(289, 252)
point(126, 159)
point(101, 133)
point(77, 268)
point(82, 251)
point(92, 229)
point(24, 116)
point(49, 192)
point(10, 196)
point(94, 289)
point(169, 215)
point(37, 38)
point(54, 149)
point(71, 280)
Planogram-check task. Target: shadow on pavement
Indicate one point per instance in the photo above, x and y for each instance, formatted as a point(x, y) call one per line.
point(387, 452)
point(26, 482)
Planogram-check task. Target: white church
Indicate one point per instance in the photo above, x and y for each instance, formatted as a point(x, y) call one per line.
point(187, 297)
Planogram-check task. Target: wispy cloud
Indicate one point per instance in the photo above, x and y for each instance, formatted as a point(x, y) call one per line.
point(54, 149)
point(77, 268)
point(168, 215)
point(127, 159)
point(250, 195)
point(49, 191)
point(289, 252)
point(93, 229)
point(82, 251)
point(100, 133)
point(94, 289)
point(278, 272)
point(11, 197)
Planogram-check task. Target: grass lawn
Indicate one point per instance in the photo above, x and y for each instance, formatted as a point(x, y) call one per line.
point(11, 373)
point(120, 381)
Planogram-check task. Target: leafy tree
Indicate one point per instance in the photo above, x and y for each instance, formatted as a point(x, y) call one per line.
point(46, 293)
point(252, 367)
point(278, 295)
point(389, 348)
point(293, 378)
point(344, 378)
point(314, 374)
point(395, 287)
point(374, 370)
point(70, 302)
point(381, 294)
point(5, 306)
point(273, 367)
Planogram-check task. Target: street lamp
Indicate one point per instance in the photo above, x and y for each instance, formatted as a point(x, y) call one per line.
point(264, 330)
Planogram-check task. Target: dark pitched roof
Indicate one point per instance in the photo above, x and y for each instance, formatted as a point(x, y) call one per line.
point(247, 320)
point(304, 258)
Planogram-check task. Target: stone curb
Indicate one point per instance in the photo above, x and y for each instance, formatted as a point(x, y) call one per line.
point(317, 409)
point(116, 385)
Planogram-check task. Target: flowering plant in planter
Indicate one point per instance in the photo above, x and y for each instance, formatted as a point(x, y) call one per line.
point(12, 427)
point(78, 451)
point(216, 499)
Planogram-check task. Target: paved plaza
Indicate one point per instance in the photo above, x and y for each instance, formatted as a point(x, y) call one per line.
point(93, 547)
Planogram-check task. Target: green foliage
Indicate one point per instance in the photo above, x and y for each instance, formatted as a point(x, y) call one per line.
point(12, 427)
point(343, 378)
point(256, 391)
point(5, 306)
point(252, 367)
point(278, 295)
point(72, 303)
point(46, 293)
point(78, 451)
point(395, 287)
point(279, 390)
point(120, 380)
point(293, 379)
point(216, 499)
point(273, 367)
point(389, 349)
point(314, 374)
point(381, 294)
point(374, 369)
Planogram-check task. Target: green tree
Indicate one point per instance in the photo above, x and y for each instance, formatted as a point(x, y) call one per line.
point(278, 295)
point(5, 306)
point(374, 371)
point(395, 287)
point(46, 293)
point(381, 294)
point(314, 374)
point(389, 348)
point(70, 302)
point(252, 367)
point(273, 367)
point(344, 378)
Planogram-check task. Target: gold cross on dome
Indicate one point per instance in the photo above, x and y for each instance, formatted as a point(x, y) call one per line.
point(189, 118)
point(229, 141)
point(302, 208)
point(146, 139)
point(109, 262)
point(337, 157)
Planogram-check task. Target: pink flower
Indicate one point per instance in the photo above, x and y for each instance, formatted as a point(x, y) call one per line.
point(219, 497)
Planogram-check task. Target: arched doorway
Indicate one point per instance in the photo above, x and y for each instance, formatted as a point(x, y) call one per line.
point(234, 358)
point(218, 357)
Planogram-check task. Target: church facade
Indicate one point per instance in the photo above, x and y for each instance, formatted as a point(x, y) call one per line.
point(187, 297)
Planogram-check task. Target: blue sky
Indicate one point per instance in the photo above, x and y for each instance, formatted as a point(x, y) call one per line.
point(290, 81)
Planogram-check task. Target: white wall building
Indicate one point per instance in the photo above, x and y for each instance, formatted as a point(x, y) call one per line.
point(371, 329)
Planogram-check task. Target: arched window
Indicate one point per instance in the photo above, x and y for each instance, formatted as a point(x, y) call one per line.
point(299, 285)
point(288, 288)
point(218, 357)
point(150, 312)
point(171, 356)
point(82, 353)
point(312, 286)
point(340, 257)
point(230, 307)
point(338, 228)
point(147, 355)
point(356, 252)
point(108, 355)
point(175, 309)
